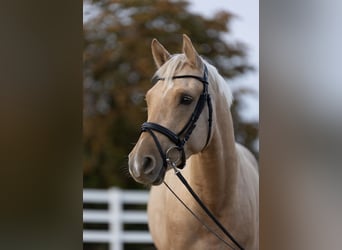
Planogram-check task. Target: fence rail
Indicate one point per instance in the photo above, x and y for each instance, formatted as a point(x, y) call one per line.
point(115, 216)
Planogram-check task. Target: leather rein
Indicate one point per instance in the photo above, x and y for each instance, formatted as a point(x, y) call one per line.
point(179, 140)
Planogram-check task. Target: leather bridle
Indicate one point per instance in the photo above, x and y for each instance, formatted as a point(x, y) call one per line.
point(183, 136)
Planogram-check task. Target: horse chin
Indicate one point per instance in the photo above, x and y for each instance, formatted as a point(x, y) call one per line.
point(160, 177)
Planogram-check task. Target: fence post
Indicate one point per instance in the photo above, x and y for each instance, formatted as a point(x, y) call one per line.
point(115, 212)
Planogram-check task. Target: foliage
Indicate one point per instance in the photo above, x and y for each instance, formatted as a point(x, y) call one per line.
point(118, 66)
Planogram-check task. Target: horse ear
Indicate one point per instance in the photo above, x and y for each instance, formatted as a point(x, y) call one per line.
point(190, 52)
point(160, 54)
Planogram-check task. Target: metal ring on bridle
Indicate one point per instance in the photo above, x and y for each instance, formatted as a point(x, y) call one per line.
point(170, 157)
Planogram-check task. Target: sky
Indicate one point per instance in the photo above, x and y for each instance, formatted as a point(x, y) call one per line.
point(245, 26)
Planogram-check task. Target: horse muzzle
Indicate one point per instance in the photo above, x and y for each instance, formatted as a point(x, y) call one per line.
point(146, 168)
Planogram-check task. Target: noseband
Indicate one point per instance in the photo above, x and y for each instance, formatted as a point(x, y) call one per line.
point(183, 136)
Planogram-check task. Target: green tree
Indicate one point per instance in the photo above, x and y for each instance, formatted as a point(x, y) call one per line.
point(118, 67)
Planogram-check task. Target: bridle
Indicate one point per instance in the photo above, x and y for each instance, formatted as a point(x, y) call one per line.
point(183, 136)
point(180, 141)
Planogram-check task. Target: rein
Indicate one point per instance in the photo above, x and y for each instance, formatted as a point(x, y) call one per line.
point(204, 208)
point(180, 141)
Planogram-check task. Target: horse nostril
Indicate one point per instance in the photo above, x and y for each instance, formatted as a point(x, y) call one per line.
point(148, 164)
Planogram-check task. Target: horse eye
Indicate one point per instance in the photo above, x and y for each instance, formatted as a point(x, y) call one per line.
point(186, 100)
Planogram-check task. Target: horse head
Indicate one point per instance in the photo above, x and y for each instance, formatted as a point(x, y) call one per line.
point(178, 111)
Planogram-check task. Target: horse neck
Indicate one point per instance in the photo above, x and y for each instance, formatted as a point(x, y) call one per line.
point(214, 170)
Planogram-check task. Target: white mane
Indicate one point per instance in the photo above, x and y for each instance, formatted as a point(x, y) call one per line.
point(215, 77)
point(177, 61)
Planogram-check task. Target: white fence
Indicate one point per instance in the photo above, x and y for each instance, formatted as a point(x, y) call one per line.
point(116, 217)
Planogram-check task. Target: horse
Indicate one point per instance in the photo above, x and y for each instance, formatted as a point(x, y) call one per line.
point(222, 172)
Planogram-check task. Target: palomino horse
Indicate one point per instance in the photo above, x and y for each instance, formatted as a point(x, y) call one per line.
point(191, 99)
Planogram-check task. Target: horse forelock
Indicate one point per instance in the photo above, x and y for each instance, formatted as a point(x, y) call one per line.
point(178, 61)
point(171, 67)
